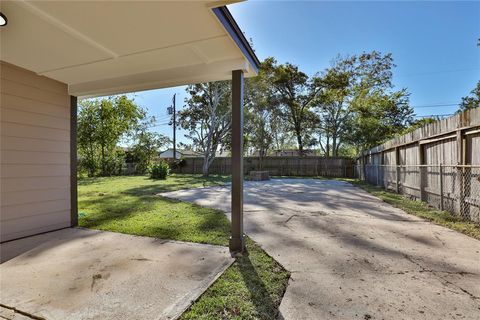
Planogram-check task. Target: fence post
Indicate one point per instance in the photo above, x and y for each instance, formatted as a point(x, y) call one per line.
point(397, 163)
point(421, 171)
point(382, 169)
point(378, 174)
point(441, 186)
point(365, 170)
point(459, 172)
point(397, 184)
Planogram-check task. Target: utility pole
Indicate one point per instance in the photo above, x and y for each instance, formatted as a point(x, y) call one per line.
point(174, 128)
point(172, 110)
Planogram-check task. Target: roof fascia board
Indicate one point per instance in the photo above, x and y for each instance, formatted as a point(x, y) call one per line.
point(228, 22)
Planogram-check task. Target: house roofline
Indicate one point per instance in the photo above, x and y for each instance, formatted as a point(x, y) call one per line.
point(229, 23)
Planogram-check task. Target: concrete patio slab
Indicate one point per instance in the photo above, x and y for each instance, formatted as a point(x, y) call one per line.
point(353, 256)
point(86, 274)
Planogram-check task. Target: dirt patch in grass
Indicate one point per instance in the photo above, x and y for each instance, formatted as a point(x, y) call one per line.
point(420, 209)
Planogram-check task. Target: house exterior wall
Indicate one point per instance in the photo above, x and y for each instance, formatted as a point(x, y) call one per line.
point(34, 153)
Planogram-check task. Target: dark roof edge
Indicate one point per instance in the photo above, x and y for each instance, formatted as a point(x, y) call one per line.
point(227, 20)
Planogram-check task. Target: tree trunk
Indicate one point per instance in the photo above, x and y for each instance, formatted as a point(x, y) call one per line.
point(206, 165)
point(260, 159)
point(334, 146)
point(338, 148)
point(104, 168)
point(300, 142)
point(327, 153)
point(90, 160)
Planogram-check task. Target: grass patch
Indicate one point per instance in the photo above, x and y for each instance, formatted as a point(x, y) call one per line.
point(130, 205)
point(252, 288)
point(141, 185)
point(421, 209)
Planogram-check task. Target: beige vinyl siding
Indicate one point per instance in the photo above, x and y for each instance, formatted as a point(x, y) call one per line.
point(34, 153)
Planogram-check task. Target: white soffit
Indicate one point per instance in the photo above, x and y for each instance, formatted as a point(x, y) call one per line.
point(108, 47)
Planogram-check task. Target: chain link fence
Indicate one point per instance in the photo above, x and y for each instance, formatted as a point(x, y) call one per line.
point(453, 188)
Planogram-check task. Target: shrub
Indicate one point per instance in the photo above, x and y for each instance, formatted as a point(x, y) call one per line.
point(159, 170)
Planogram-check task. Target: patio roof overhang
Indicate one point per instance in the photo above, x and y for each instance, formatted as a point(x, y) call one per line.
point(102, 48)
point(109, 47)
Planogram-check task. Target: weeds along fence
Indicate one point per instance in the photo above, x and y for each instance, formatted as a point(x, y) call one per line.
point(438, 163)
point(277, 166)
point(453, 188)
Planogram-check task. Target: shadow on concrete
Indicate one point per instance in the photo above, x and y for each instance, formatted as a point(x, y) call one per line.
point(42, 243)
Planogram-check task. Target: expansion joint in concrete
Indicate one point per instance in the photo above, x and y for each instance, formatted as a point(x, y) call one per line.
point(442, 279)
point(23, 313)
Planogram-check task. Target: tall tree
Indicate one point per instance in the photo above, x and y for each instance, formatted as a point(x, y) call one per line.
point(294, 94)
point(333, 109)
point(377, 118)
point(207, 118)
point(102, 123)
point(260, 135)
point(282, 137)
point(471, 101)
point(358, 104)
point(379, 111)
point(259, 113)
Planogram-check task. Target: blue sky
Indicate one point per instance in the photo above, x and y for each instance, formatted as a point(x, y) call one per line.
point(433, 45)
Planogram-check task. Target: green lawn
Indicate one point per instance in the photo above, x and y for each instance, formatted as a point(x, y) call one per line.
point(251, 288)
point(421, 209)
point(130, 205)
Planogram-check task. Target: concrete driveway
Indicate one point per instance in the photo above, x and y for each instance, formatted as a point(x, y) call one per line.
point(86, 274)
point(353, 256)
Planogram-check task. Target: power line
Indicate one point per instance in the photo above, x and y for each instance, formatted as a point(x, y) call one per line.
point(162, 118)
point(159, 125)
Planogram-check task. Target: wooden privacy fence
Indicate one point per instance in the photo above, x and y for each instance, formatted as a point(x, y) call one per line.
point(438, 163)
point(277, 166)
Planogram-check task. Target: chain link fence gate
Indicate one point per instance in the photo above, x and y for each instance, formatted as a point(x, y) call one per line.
point(453, 188)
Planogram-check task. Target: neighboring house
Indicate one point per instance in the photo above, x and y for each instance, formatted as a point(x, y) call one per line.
point(190, 153)
point(50, 56)
point(168, 154)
